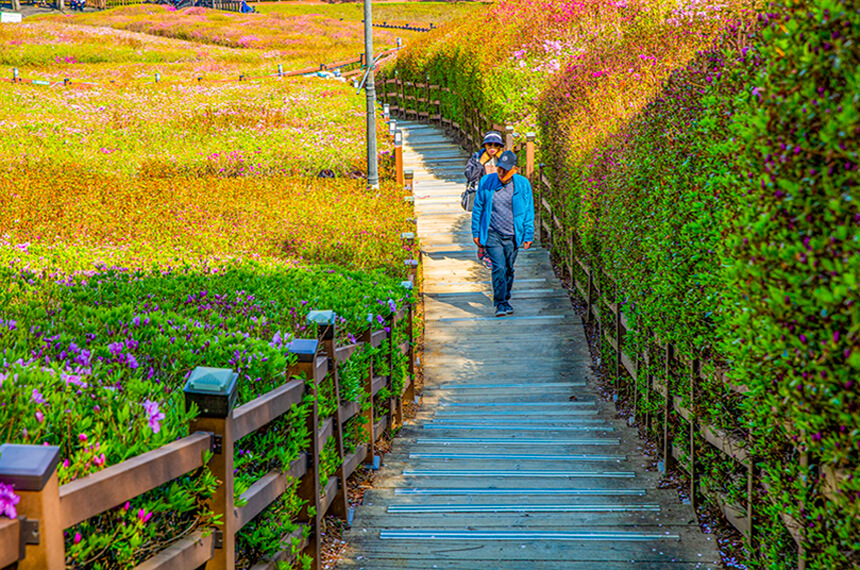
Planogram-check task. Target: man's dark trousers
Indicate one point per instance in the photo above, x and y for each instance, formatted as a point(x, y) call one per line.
point(503, 254)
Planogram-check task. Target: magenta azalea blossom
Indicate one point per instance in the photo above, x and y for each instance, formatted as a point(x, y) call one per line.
point(153, 415)
point(8, 500)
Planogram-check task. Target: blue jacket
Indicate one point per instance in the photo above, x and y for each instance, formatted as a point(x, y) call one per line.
point(524, 208)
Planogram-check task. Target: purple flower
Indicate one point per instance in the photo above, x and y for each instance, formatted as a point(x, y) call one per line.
point(116, 348)
point(153, 415)
point(8, 500)
point(136, 320)
point(40, 417)
point(37, 397)
point(131, 361)
point(392, 305)
point(379, 319)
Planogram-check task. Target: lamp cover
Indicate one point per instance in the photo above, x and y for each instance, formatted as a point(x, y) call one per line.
point(27, 467)
point(214, 390)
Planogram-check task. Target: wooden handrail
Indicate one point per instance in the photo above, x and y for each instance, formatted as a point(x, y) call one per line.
point(342, 353)
point(113, 486)
point(10, 541)
point(193, 551)
point(250, 417)
point(267, 489)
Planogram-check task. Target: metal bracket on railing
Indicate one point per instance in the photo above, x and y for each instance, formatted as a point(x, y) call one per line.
point(216, 444)
point(29, 533)
point(218, 538)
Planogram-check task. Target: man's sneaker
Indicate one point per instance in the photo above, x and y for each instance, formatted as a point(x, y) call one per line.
point(500, 311)
point(508, 309)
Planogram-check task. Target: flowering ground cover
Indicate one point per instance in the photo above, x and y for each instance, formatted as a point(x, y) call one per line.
point(297, 40)
point(148, 228)
point(706, 156)
point(397, 13)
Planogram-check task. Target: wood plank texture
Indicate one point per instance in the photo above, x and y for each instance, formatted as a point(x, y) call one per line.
point(512, 421)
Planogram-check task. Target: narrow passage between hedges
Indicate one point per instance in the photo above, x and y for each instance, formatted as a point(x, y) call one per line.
point(514, 460)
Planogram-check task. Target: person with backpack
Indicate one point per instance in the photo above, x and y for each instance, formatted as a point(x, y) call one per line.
point(503, 220)
point(480, 164)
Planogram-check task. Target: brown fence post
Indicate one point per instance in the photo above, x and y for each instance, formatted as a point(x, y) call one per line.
point(509, 137)
point(307, 352)
point(395, 403)
point(327, 322)
point(617, 333)
point(368, 392)
point(693, 479)
point(667, 445)
point(398, 156)
point(214, 392)
point(530, 157)
point(32, 471)
point(409, 394)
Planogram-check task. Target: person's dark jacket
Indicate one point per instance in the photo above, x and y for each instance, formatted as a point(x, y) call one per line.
point(474, 169)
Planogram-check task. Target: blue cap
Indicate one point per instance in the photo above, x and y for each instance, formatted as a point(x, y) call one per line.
point(508, 160)
point(493, 137)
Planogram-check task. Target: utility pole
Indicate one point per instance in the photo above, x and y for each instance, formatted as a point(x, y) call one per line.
point(370, 91)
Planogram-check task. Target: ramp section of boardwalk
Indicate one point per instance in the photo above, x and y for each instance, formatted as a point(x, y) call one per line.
point(514, 461)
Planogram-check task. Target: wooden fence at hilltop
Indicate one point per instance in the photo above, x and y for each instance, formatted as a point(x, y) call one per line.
point(35, 541)
point(678, 416)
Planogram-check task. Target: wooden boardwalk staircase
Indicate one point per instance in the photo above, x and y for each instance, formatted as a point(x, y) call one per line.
point(514, 461)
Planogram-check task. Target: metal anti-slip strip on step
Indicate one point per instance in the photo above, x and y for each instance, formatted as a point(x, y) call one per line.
point(510, 441)
point(515, 404)
point(485, 492)
point(533, 385)
point(509, 473)
point(519, 456)
point(479, 418)
point(620, 536)
point(452, 509)
point(547, 414)
point(491, 427)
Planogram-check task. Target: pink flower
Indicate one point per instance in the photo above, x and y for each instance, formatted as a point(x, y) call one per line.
point(8, 500)
point(143, 516)
point(78, 538)
point(40, 417)
point(82, 437)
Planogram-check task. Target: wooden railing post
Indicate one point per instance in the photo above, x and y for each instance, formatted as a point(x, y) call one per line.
point(368, 392)
point(509, 137)
point(693, 477)
point(327, 321)
point(214, 391)
point(307, 352)
point(667, 445)
point(398, 156)
point(409, 393)
point(395, 408)
point(530, 157)
point(32, 471)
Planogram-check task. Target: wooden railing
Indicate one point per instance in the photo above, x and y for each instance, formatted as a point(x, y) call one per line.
point(679, 414)
point(407, 27)
point(35, 541)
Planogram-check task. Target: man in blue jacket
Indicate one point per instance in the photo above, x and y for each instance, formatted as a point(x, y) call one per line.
point(503, 220)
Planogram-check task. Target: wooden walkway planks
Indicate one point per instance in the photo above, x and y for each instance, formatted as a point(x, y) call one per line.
point(514, 461)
